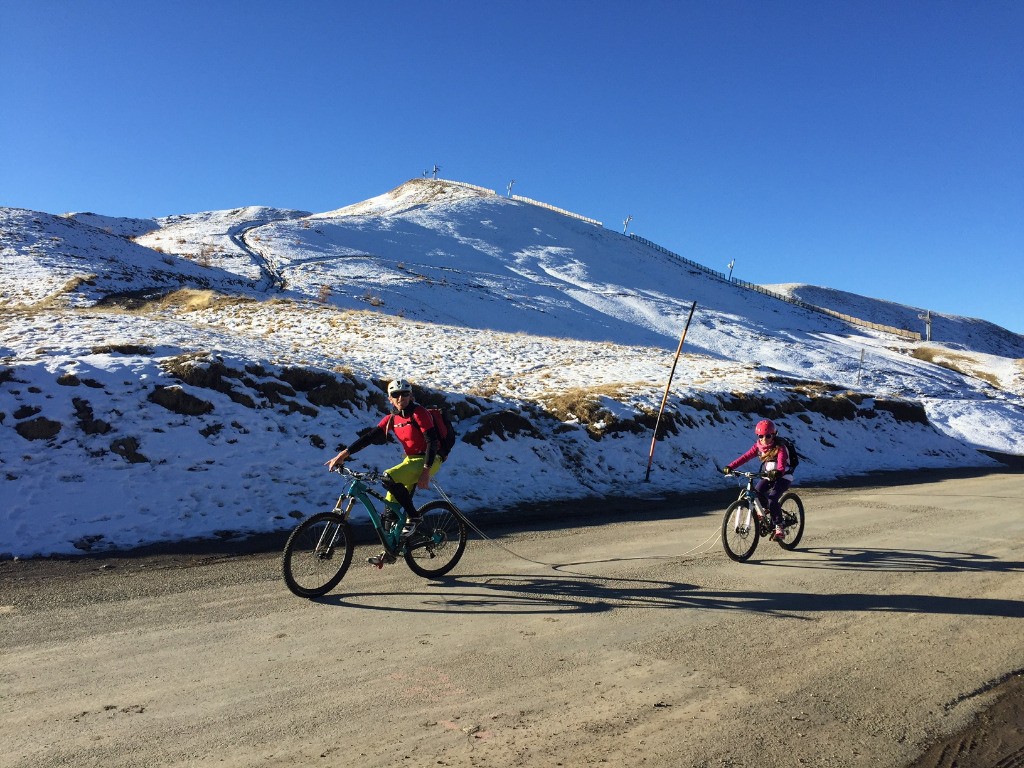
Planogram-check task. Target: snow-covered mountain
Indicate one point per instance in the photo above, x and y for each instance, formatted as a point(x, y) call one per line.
point(189, 375)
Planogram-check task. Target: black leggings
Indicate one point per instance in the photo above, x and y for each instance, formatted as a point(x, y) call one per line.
point(402, 494)
point(770, 493)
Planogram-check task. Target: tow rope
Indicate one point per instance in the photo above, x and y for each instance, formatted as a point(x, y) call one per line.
point(694, 552)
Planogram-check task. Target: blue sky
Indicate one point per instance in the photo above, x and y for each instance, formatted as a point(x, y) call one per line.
point(873, 147)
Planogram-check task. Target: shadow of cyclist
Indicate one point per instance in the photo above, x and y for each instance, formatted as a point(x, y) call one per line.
point(896, 561)
point(489, 593)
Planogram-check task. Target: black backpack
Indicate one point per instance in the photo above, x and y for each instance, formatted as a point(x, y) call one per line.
point(794, 457)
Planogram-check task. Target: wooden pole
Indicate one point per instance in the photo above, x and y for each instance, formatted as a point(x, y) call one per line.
point(657, 423)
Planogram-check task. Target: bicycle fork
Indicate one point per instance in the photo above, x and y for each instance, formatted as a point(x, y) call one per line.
point(330, 532)
point(750, 515)
point(743, 518)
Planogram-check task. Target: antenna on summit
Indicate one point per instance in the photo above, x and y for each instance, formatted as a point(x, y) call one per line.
point(510, 187)
point(625, 223)
point(927, 317)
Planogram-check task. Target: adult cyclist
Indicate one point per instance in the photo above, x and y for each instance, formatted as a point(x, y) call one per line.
point(775, 463)
point(414, 427)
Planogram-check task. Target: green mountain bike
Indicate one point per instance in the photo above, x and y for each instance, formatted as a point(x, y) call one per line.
point(319, 551)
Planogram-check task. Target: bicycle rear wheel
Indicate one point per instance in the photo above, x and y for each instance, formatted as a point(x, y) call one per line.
point(439, 541)
point(317, 554)
point(793, 515)
point(739, 531)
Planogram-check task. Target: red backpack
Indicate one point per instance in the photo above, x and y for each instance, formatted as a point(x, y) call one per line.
point(445, 431)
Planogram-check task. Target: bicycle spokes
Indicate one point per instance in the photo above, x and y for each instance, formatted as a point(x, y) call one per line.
point(317, 554)
point(740, 532)
point(325, 546)
point(439, 541)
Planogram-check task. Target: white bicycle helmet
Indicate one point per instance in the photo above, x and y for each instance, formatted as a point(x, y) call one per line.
point(398, 386)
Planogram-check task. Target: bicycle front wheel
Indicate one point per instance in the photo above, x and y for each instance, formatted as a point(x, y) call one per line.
point(439, 541)
point(793, 515)
point(317, 554)
point(739, 531)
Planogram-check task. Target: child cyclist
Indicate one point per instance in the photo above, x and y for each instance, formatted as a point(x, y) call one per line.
point(775, 462)
point(414, 427)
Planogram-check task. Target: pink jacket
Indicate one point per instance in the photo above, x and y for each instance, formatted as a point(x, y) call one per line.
point(775, 452)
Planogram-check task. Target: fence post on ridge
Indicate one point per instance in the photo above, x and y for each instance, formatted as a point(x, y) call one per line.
point(657, 423)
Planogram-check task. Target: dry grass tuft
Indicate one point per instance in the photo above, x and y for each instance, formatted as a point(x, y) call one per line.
point(955, 361)
point(192, 300)
point(582, 404)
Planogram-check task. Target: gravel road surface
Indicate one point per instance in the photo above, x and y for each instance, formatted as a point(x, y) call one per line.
point(622, 637)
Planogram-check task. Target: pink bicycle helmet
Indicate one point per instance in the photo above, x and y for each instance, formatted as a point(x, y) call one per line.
point(764, 427)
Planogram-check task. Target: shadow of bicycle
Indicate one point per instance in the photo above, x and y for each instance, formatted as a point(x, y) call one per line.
point(509, 594)
point(895, 561)
point(525, 594)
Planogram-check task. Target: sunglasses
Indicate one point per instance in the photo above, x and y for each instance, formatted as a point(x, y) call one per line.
point(766, 437)
point(400, 395)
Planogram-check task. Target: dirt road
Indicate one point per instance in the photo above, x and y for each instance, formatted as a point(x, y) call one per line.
point(625, 639)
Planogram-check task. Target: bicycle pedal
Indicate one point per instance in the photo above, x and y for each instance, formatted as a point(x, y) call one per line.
point(379, 561)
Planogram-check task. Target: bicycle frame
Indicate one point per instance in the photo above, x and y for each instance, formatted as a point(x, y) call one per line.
point(754, 506)
point(359, 491)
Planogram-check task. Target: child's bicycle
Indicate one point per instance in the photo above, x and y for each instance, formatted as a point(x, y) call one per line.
point(319, 550)
point(747, 520)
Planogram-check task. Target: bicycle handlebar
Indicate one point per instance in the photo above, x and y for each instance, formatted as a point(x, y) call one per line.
point(370, 477)
point(742, 473)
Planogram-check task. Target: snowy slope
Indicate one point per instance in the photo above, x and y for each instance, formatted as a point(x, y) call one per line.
point(968, 333)
point(59, 258)
point(211, 411)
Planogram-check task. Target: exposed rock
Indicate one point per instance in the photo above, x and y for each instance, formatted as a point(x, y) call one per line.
point(39, 428)
point(88, 424)
point(128, 449)
point(123, 349)
point(179, 401)
point(304, 379)
point(903, 410)
point(25, 411)
point(502, 424)
point(85, 543)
